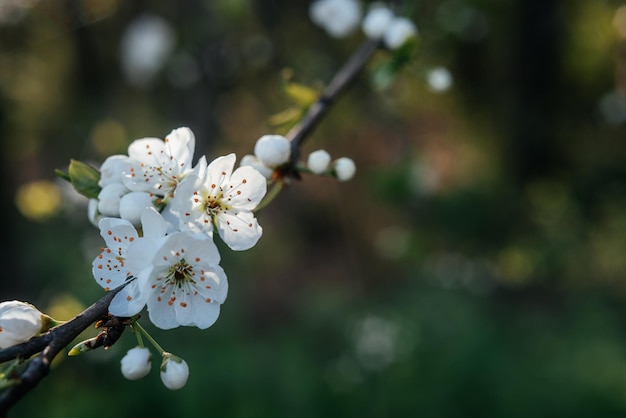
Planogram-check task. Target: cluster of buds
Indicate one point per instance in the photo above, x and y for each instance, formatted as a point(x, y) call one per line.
point(137, 363)
point(272, 152)
point(340, 18)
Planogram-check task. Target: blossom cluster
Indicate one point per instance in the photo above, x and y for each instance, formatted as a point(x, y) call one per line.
point(157, 214)
point(340, 18)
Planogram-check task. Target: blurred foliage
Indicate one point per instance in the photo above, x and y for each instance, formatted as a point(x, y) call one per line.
point(472, 268)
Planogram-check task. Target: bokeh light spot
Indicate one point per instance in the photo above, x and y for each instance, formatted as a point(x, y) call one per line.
point(38, 200)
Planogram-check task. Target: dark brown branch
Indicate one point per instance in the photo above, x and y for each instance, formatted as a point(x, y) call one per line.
point(344, 77)
point(49, 345)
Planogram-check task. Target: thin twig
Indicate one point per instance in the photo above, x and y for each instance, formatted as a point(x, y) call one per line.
point(344, 77)
point(49, 345)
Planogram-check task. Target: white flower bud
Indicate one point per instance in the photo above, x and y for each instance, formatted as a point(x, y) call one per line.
point(253, 161)
point(339, 18)
point(377, 21)
point(133, 204)
point(174, 372)
point(400, 30)
point(19, 322)
point(136, 363)
point(344, 168)
point(272, 150)
point(109, 199)
point(92, 211)
point(318, 161)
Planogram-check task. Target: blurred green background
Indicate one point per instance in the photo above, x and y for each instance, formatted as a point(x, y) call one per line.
point(474, 267)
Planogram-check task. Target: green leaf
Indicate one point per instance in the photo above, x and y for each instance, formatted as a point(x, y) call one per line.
point(303, 95)
point(84, 178)
point(287, 117)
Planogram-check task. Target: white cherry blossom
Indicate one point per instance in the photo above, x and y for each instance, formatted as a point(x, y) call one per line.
point(221, 198)
point(185, 284)
point(160, 164)
point(125, 257)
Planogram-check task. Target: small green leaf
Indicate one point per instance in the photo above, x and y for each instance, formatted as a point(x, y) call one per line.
point(84, 178)
point(289, 116)
point(303, 95)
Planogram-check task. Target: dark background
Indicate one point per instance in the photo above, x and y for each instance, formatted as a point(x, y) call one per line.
point(474, 267)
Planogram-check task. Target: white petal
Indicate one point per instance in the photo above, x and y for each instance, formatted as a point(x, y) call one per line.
point(117, 231)
point(181, 143)
point(133, 204)
point(109, 199)
point(219, 171)
point(153, 224)
point(246, 188)
point(128, 301)
point(239, 230)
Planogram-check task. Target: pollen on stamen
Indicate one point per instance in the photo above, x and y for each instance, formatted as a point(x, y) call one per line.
point(158, 298)
point(183, 304)
point(110, 232)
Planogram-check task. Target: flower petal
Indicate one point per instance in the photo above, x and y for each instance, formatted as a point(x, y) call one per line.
point(246, 188)
point(128, 302)
point(239, 229)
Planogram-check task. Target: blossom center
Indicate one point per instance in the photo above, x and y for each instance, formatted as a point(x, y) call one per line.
point(180, 273)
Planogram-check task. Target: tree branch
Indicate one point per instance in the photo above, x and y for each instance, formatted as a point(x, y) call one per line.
point(49, 345)
point(344, 77)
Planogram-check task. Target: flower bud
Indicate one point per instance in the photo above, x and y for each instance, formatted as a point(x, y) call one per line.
point(253, 161)
point(339, 18)
point(400, 30)
point(344, 169)
point(19, 322)
point(92, 211)
point(318, 161)
point(174, 371)
point(377, 21)
point(133, 204)
point(109, 199)
point(272, 150)
point(136, 363)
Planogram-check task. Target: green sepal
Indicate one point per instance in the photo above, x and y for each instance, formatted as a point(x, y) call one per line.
point(303, 95)
point(384, 75)
point(83, 347)
point(83, 177)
